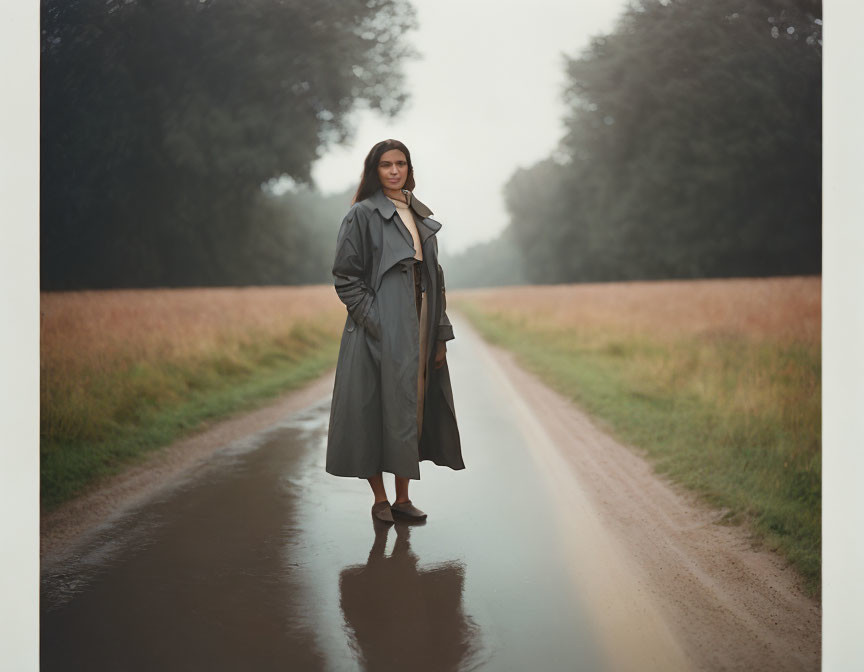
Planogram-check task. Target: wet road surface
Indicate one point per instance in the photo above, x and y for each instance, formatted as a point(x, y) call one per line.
point(262, 561)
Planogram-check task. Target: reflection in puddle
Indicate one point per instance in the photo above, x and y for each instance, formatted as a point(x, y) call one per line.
point(404, 616)
point(388, 607)
point(465, 589)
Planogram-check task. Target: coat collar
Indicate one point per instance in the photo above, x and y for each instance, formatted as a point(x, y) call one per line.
point(397, 244)
point(379, 201)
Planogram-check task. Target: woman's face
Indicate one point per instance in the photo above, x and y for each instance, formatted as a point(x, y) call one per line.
point(393, 169)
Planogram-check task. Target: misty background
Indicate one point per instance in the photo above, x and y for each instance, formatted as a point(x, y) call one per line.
point(211, 143)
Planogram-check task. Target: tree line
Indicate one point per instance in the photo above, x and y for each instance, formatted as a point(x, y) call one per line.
point(162, 119)
point(692, 145)
point(692, 149)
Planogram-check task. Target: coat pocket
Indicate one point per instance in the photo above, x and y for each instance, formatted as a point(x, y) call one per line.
point(372, 327)
point(372, 320)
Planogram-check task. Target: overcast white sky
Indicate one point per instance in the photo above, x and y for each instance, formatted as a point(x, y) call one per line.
point(485, 99)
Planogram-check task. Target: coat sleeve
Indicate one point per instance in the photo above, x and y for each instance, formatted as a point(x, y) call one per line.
point(445, 329)
point(349, 269)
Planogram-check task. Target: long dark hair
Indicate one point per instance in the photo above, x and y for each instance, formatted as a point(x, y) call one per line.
point(369, 182)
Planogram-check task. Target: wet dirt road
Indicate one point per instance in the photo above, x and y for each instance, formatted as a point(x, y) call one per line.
point(260, 560)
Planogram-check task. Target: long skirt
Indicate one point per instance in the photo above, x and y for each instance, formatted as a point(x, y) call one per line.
point(422, 316)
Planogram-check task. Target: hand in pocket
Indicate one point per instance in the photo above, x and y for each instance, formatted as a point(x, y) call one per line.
point(372, 322)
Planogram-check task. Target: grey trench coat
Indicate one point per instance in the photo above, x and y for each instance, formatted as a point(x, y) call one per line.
point(373, 415)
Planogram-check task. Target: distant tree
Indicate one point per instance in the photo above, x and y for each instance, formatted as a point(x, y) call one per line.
point(301, 222)
point(161, 119)
point(489, 264)
point(693, 148)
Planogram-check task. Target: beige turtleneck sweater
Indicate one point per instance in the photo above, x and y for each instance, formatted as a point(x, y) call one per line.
point(405, 213)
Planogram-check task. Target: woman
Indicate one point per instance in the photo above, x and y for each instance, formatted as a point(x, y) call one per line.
point(392, 401)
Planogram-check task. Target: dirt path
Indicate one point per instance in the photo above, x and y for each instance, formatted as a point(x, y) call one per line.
point(582, 550)
point(729, 604)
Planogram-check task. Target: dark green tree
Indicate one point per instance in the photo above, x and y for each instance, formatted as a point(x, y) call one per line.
point(693, 148)
point(161, 119)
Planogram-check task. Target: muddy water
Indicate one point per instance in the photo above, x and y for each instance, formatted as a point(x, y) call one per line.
point(262, 561)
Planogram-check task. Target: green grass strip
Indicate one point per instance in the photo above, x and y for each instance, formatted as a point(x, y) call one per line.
point(154, 403)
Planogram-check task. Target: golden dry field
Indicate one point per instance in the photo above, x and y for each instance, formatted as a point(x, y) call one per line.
point(787, 309)
point(126, 370)
point(718, 381)
point(99, 330)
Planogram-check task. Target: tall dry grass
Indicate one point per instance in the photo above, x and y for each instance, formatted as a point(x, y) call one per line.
point(124, 370)
point(99, 330)
point(718, 380)
point(785, 309)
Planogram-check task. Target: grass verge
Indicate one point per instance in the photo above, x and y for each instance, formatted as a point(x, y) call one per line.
point(735, 419)
point(98, 422)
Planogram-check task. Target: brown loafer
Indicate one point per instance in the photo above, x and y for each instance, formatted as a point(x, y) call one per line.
point(381, 511)
point(407, 510)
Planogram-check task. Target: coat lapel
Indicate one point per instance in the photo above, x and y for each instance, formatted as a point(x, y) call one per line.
point(397, 244)
point(427, 227)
